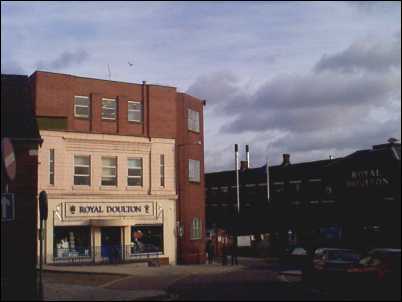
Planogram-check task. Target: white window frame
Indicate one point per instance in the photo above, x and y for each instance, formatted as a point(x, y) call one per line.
point(141, 177)
point(162, 170)
point(194, 166)
point(109, 167)
point(134, 110)
point(82, 166)
point(82, 106)
point(196, 229)
point(52, 167)
point(105, 107)
point(193, 120)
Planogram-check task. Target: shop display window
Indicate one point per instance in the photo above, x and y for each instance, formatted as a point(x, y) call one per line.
point(146, 239)
point(72, 242)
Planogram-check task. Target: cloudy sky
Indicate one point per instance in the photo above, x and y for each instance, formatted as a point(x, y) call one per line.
point(309, 79)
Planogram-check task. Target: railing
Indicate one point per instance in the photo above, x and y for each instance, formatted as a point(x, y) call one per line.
point(106, 254)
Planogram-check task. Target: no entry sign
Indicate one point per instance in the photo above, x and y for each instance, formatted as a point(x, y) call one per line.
point(7, 153)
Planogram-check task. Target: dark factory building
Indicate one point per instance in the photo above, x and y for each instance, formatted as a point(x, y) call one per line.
point(353, 201)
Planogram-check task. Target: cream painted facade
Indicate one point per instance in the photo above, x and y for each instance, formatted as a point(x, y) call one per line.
point(96, 206)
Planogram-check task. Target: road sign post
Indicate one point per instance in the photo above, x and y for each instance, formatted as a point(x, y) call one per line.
point(43, 211)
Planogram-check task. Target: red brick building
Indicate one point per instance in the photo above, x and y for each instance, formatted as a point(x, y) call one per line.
point(77, 114)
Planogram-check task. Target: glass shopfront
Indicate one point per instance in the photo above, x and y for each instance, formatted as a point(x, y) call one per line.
point(72, 242)
point(146, 239)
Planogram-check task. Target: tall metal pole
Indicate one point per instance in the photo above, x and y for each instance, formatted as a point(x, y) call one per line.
point(40, 259)
point(237, 178)
point(268, 193)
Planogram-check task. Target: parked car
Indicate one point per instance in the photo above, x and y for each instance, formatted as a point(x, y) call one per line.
point(379, 274)
point(380, 264)
point(330, 266)
point(328, 260)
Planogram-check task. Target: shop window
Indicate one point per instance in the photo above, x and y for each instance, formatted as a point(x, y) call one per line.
point(146, 239)
point(134, 112)
point(193, 120)
point(194, 170)
point(162, 170)
point(82, 170)
point(51, 166)
point(134, 172)
point(109, 171)
point(72, 242)
point(81, 106)
point(108, 109)
point(196, 229)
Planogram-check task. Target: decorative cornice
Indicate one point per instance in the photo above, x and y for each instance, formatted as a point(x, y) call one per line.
point(89, 195)
point(77, 144)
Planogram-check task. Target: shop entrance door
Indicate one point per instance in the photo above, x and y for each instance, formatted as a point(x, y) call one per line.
point(111, 244)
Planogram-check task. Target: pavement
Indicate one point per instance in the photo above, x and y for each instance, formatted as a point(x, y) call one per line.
point(290, 276)
point(151, 285)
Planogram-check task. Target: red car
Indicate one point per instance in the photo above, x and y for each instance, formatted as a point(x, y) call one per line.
point(381, 264)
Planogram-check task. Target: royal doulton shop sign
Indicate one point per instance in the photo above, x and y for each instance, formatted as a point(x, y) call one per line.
point(108, 209)
point(366, 178)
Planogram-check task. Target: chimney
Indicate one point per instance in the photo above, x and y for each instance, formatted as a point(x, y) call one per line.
point(286, 160)
point(247, 157)
point(243, 165)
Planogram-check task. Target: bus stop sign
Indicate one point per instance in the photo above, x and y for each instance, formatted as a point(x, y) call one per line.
point(43, 205)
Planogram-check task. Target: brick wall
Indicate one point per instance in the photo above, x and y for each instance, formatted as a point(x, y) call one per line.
point(54, 97)
point(191, 194)
point(164, 116)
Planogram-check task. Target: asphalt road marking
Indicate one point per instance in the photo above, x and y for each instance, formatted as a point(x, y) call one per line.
point(283, 278)
point(114, 281)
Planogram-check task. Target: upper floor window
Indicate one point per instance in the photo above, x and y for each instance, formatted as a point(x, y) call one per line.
point(162, 170)
point(109, 171)
point(108, 109)
point(194, 170)
point(196, 229)
point(134, 111)
point(81, 106)
point(134, 172)
point(193, 120)
point(278, 187)
point(82, 170)
point(51, 166)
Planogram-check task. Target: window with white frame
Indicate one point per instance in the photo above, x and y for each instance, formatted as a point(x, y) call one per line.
point(82, 170)
point(81, 106)
point(134, 172)
point(193, 120)
point(51, 166)
point(109, 171)
point(196, 229)
point(162, 169)
point(194, 170)
point(134, 112)
point(108, 109)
